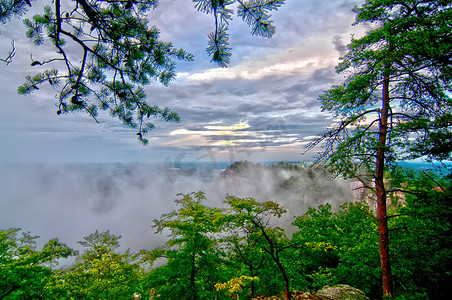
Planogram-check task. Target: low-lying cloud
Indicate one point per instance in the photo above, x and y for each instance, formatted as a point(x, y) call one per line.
point(70, 201)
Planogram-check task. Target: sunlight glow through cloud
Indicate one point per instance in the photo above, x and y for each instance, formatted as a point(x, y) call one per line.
point(238, 126)
point(215, 130)
point(234, 136)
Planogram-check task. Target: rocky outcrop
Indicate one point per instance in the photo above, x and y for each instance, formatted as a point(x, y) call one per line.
point(341, 291)
point(337, 292)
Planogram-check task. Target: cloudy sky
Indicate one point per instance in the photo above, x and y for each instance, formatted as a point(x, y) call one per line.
point(263, 107)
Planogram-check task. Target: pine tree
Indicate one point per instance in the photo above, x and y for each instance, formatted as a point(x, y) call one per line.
point(395, 103)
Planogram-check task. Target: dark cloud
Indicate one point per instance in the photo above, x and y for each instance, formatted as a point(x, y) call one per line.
point(340, 47)
point(304, 94)
point(243, 92)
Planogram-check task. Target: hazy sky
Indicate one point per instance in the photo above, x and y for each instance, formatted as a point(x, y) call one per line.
point(263, 107)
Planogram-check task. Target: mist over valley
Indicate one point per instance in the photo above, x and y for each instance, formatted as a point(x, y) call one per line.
point(70, 201)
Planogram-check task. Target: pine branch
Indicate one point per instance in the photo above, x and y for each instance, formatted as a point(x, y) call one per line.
point(12, 53)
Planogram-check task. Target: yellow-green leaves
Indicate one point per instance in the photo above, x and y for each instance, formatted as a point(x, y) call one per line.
point(236, 284)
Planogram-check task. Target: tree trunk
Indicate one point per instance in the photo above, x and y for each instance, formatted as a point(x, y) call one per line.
point(193, 272)
point(253, 286)
point(9, 292)
point(284, 274)
point(382, 217)
point(274, 255)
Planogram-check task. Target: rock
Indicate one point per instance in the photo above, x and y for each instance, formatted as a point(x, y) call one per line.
point(337, 292)
point(297, 295)
point(341, 291)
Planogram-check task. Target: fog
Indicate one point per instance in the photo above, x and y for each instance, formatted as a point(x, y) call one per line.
point(70, 201)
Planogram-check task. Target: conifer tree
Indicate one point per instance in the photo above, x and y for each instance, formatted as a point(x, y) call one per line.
point(119, 53)
point(395, 103)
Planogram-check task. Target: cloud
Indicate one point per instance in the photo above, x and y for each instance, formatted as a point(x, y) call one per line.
point(280, 77)
point(339, 45)
point(70, 201)
point(315, 54)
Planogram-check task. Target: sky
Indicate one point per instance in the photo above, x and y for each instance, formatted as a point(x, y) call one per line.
point(263, 107)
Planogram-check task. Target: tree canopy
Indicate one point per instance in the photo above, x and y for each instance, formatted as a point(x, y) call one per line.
point(217, 244)
point(410, 43)
point(23, 270)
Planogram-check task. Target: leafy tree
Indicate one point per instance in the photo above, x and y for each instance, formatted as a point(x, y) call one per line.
point(217, 244)
point(119, 53)
point(339, 247)
point(395, 102)
point(193, 243)
point(24, 270)
point(422, 235)
point(248, 258)
point(100, 272)
point(252, 219)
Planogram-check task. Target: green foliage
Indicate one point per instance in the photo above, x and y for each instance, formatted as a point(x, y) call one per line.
point(194, 244)
point(120, 54)
point(256, 244)
point(100, 272)
point(216, 244)
point(255, 13)
point(411, 43)
point(422, 236)
point(13, 8)
point(218, 252)
point(396, 101)
point(339, 247)
point(24, 270)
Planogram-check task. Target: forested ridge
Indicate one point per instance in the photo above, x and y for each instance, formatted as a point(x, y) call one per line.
point(240, 250)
